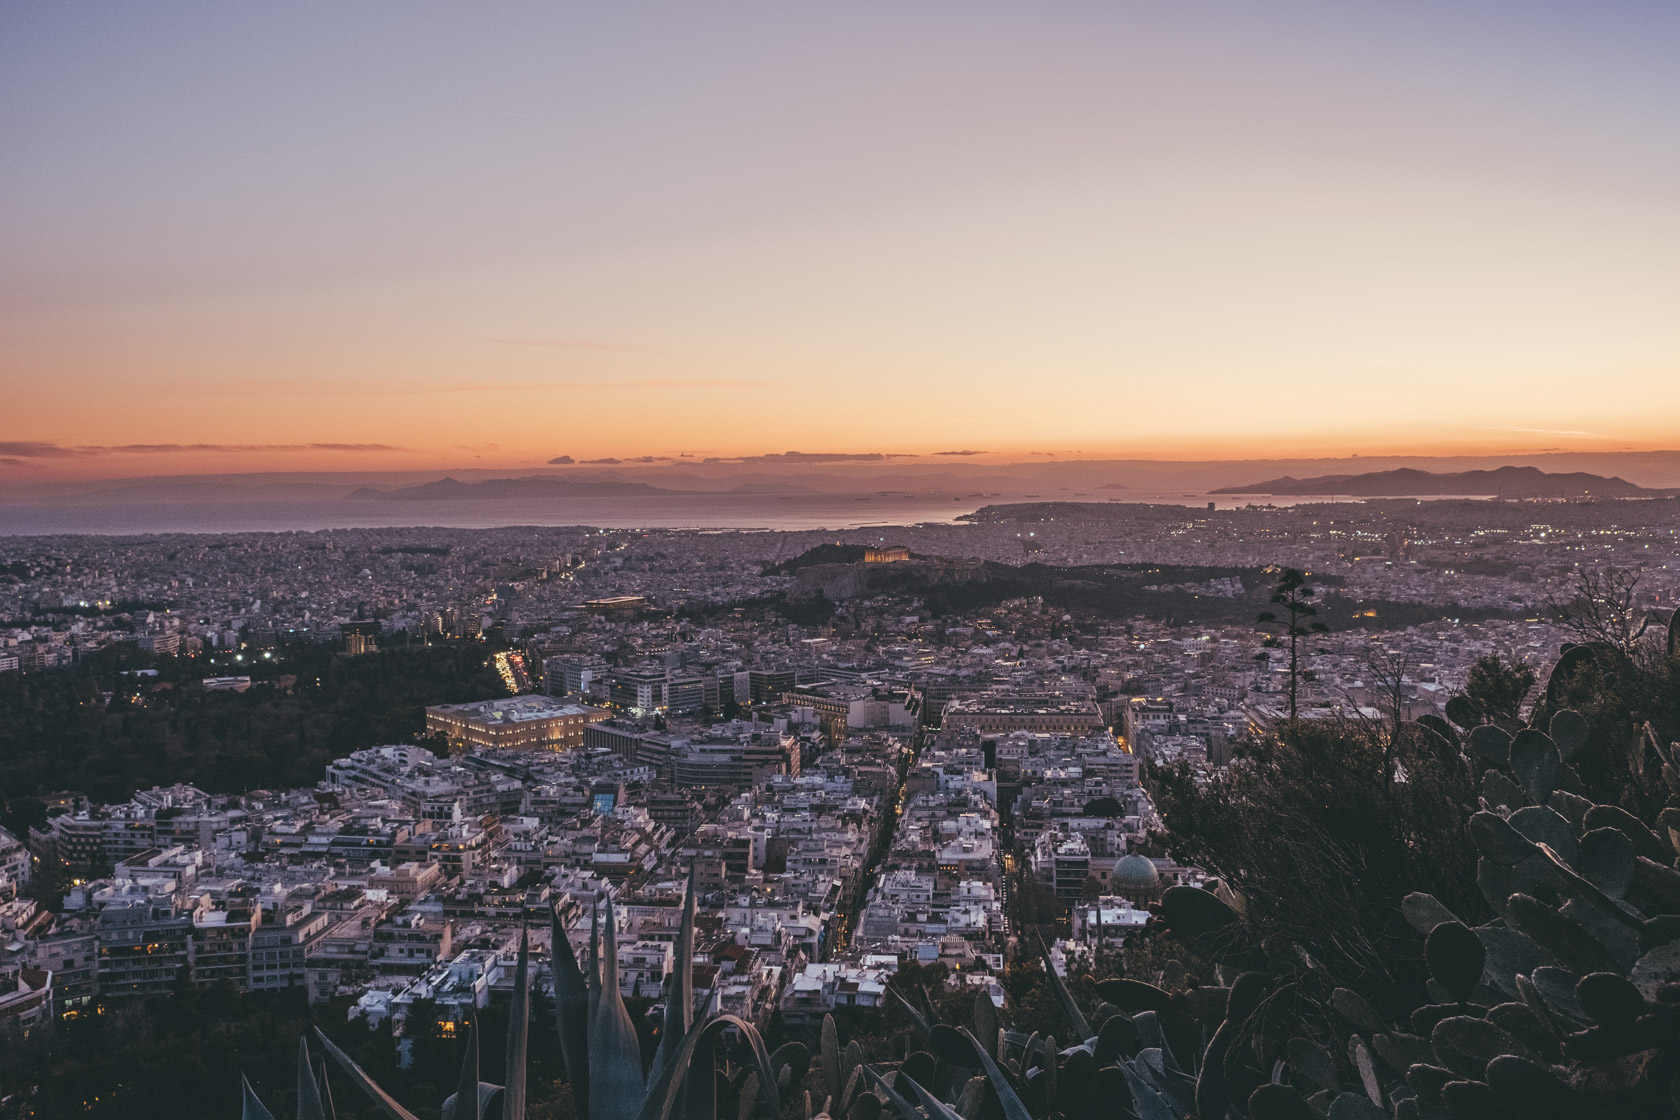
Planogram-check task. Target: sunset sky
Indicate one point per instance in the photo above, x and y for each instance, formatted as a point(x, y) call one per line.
point(240, 236)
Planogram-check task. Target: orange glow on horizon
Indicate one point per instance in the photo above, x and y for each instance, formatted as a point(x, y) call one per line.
point(249, 240)
point(78, 461)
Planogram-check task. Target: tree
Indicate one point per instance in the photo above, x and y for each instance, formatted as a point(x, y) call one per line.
point(1035, 903)
point(54, 734)
point(1388, 672)
point(1620, 695)
point(1294, 596)
point(1323, 828)
point(1033, 1006)
point(1498, 688)
point(1602, 607)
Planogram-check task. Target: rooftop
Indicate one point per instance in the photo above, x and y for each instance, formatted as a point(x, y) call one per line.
point(512, 709)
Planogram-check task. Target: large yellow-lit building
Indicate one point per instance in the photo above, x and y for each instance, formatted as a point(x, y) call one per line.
point(527, 722)
point(994, 714)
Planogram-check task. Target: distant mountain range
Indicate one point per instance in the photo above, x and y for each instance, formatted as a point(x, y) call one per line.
point(498, 489)
point(1503, 482)
point(539, 486)
point(983, 477)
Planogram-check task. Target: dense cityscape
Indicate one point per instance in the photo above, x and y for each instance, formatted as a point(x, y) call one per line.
point(932, 561)
point(862, 751)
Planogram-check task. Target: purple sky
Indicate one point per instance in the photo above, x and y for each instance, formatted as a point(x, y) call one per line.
point(429, 230)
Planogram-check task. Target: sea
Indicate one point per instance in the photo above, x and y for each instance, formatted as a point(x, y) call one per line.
point(720, 511)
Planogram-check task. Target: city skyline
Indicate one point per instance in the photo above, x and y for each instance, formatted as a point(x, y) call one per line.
point(339, 240)
point(673, 562)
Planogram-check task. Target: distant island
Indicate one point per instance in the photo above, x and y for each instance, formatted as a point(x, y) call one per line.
point(499, 489)
point(1503, 482)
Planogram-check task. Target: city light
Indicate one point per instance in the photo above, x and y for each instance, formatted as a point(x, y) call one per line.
point(920, 532)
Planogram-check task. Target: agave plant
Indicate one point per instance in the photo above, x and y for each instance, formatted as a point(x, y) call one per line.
point(484, 1100)
point(1152, 1055)
point(1566, 1004)
point(314, 1095)
point(599, 1045)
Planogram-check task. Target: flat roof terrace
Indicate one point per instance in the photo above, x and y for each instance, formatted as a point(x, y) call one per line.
point(512, 709)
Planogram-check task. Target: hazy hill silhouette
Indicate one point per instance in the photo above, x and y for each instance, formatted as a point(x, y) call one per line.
point(1504, 482)
point(496, 489)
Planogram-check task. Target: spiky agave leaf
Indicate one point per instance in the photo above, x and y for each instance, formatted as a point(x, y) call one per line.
point(761, 1061)
point(483, 1095)
point(1153, 1037)
point(905, 1109)
point(326, 1094)
point(699, 1081)
point(1051, 1069)
point(1149, 1103)
point(380, 1097)
point(986, 1021)
point(519, 1029)
point(1013, 1107)
point(465, 1104)
point(1175, 1086)
point(923, 1028)
point(679, 994)
point(616, 1085)
point(571, 1014)
point(489, 1101)
point(927, 1002)
point(1063, 996)
point(661, 1097)
point(595, 958)
point(253, 1109)
point(309, 1105)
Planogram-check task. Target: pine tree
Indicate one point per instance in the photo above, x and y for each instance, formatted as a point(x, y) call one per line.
point(1294, 596)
